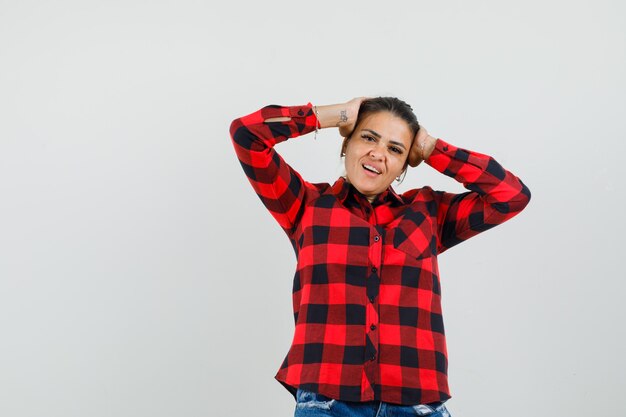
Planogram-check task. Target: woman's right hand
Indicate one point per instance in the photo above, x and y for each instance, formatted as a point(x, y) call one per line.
point(348, 118)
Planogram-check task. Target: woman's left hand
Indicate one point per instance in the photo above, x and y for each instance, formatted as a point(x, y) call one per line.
point(422, 147)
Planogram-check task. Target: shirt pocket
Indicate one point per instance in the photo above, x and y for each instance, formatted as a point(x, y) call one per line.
point(414, 235)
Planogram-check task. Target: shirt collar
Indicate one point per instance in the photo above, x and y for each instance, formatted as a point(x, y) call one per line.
point(342, 189)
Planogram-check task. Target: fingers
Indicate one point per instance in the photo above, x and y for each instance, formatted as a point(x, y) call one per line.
point(362, 99)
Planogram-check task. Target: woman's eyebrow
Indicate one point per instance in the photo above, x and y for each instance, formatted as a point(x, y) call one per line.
point(374, 133)
point(391, 141)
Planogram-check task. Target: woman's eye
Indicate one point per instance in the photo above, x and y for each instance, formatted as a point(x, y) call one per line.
point(396, 150)
point(368, 138)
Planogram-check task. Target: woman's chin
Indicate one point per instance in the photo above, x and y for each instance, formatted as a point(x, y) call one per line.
point(365, 189)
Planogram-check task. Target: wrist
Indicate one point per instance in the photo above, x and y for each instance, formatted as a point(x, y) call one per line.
point(428, 146)
point(333, 115)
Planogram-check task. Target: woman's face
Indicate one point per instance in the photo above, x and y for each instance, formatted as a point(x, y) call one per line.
point(376, 152)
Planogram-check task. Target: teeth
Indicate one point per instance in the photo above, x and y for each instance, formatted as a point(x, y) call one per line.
point(371, 168)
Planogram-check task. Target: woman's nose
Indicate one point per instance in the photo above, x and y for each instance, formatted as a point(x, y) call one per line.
point(376, 152)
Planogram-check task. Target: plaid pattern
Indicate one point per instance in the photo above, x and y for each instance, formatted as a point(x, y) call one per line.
point(366, 291)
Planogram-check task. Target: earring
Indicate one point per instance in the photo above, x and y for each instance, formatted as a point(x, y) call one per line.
point(400, 177)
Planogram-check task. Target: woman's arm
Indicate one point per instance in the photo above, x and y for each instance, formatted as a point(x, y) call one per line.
point(495, 195)
point(281, 189)
point(341, 115)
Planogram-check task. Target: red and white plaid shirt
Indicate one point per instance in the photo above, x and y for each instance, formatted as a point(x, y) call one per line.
point(366, 291)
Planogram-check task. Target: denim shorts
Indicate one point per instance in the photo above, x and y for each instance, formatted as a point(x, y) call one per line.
point(312, 404)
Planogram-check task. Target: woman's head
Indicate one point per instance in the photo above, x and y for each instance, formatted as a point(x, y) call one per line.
point(376, 152)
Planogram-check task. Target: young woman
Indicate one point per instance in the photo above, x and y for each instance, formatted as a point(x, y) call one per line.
point(369, 337)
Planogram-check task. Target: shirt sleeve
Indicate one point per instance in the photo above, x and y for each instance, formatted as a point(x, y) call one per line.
point(278, 185)
point(495, 196)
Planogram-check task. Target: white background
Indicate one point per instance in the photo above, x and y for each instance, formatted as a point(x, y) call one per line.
point(141, 276)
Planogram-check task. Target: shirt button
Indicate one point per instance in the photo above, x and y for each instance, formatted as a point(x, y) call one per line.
point(376, 238)
point(372, 299)
point(300, 113)
point(373, 327)
point(373, 357)
point(445, 148)
point(374, 269)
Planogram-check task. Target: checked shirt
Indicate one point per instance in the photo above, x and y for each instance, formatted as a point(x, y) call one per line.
point(366, 290)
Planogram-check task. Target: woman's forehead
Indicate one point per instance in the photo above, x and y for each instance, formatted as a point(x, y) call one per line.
point(387, 126)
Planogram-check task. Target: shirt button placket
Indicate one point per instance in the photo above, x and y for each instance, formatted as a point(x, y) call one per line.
point(375, 259)
point(371, 372)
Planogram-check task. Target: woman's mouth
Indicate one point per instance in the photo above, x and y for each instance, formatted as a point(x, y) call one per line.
point(371, 170)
